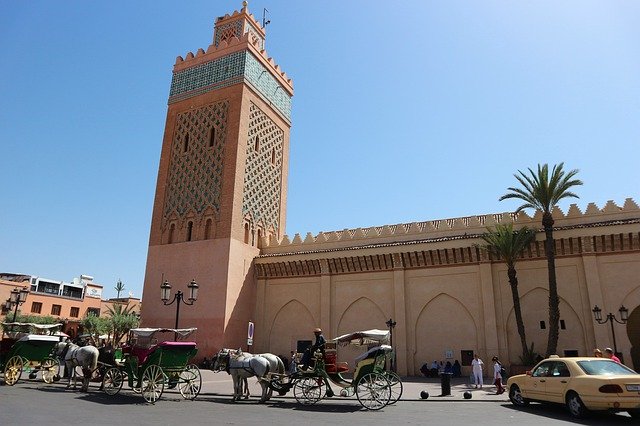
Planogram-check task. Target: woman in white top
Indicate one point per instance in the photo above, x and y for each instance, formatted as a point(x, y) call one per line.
point(476, 367)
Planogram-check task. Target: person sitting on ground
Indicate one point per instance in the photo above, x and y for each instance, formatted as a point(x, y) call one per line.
point(456, 369)
point(425, 370)
point(317, 346)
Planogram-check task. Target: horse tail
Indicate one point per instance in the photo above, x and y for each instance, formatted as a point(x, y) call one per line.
point(280, 366)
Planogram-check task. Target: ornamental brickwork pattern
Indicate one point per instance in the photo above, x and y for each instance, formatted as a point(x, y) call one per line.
point(197, 152)
point(226, 31)
point(263, 170)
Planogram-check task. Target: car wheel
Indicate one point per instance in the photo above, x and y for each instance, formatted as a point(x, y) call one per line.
point(575, 406)
point(515, 395)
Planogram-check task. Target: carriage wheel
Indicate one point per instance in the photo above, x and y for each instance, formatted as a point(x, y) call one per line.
point(112, 381)
point(309, 390)
point(50, 369)
point(13, 370)
point(396, 386)
point(152, 383)
point(190, 382)
point(373, 391)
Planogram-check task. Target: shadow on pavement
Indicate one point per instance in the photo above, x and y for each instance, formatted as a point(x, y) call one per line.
point(559, 412)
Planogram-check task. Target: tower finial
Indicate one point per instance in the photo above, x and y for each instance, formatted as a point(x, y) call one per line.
point(245, 3)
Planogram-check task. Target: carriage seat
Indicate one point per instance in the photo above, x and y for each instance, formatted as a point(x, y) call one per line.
point(330, 362)
point(142, 353)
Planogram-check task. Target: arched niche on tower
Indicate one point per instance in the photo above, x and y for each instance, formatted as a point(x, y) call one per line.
point(433, 333)
point(291, 323)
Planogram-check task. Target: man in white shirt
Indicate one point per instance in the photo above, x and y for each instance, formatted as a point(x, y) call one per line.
point(477, 366)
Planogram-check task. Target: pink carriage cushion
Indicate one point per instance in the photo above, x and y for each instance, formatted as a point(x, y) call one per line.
point(330, 362)
point(178, 344)
point(340, 367)
point(142, 353)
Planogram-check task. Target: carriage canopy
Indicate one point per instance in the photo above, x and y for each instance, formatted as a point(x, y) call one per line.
point(364, 338)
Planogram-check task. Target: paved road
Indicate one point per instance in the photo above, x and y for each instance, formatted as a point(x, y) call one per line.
point(34, 403)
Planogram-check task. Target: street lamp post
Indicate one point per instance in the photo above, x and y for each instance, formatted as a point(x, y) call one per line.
point(178, 298)
point(624, 316)
point(17, 298)
point(391, 324)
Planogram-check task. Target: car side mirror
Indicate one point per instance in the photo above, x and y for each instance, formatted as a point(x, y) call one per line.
point(528, 372)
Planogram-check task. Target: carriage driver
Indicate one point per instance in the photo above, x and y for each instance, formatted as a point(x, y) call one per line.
point(318, 345)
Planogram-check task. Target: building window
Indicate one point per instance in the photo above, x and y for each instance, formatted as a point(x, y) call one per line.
point(185, 147)
point(189, 230)
point(36, 307)
point(74, 312)
point(212, 137)
point(543, 326)
point(562, 325)
point(207, 229)
point(246, 233)
point(172, 229)
point(56, 309)
point(273, 156)
point(93, 311)
point(257, 144)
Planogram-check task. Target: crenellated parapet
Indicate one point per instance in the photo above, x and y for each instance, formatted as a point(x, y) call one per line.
point(452, 229)
point(236, 55)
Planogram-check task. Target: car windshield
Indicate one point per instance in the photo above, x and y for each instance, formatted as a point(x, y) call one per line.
point(604, 367)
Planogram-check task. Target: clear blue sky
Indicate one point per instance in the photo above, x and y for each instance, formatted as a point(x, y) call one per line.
point(403, 111)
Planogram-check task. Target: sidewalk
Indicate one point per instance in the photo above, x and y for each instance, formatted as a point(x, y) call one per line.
point(220, 384)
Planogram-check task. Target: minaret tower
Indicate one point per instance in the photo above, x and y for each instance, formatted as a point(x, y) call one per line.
point(222, 181)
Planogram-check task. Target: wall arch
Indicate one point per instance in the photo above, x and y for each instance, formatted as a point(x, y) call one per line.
point(432, 336)
point(362, 314)
point(291, 323)
point(535, 308)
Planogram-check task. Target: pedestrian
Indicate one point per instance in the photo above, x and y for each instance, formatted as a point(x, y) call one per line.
point(456, 369)
point(293, 365)
point(597, 353)
point(609, 354)
point(497, 375)
point(476, 367)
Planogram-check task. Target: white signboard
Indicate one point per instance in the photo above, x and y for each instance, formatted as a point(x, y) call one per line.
point(94, 292)
point(250, 329)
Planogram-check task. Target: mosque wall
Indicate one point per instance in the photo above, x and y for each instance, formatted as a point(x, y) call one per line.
point(448, 296)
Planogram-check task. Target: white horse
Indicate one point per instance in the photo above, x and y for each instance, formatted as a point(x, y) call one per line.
point(241, 366)
point(73, 355)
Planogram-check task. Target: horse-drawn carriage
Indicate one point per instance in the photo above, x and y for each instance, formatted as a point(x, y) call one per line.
point(21, 351)
point(149, 367)
point(374, 385)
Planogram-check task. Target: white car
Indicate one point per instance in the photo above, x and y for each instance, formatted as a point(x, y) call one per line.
point(581, 384)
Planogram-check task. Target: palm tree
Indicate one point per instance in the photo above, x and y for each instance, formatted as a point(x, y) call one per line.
point(543, 192)
point(505, 243)
point(122, 318)
point(119, 288)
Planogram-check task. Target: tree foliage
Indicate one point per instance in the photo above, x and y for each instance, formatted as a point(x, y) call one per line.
point(95, 326)
point(119, 288)
point(542, 191)
point(122, 318)
point(505, 243)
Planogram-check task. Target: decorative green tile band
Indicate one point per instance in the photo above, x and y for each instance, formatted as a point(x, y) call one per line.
point(226, 71)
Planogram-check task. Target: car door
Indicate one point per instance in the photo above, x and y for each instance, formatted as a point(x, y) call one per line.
point(557, 382)
point(537, 383)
